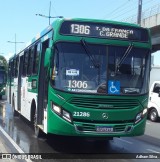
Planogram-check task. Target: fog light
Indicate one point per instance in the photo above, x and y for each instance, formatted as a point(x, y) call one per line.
point(66, 116)
point(128, 128)
point(138, 118)
point(56, 109)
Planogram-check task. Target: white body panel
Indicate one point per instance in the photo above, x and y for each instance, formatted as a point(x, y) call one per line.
point(26, 99)
point(15, 89)
point(26, 109)
point(45, 121)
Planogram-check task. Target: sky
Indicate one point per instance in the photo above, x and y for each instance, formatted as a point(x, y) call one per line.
point(18, 17)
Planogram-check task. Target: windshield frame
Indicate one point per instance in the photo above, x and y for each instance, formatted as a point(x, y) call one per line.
point(107, 78)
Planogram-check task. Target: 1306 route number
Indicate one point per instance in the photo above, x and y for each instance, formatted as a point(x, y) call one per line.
point(77, 84)
point(80, 29)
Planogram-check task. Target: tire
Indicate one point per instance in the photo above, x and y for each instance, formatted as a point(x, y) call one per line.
point(15, 113)
point(153, 115)
point(37, 131)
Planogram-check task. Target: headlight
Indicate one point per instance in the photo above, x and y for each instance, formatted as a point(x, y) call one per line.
point(2, 90)
point(56, 109)
point(144, 111)
point(62, 113)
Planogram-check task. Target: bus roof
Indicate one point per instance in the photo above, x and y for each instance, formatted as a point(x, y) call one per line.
point(102, 21)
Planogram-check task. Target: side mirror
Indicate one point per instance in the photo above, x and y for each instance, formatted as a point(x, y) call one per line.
point(47, 57)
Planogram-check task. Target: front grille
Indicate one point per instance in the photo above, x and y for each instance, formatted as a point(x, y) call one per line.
point(103, 103)
point(119, 128)
point(86, 128)
point(102, 121)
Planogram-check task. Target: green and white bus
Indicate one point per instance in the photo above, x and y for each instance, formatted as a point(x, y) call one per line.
point(83, 77)
point(3, 75)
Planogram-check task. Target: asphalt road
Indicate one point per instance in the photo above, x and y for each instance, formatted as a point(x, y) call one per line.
point(75, 149)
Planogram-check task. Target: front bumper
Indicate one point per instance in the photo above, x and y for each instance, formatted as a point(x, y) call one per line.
point(58, 125)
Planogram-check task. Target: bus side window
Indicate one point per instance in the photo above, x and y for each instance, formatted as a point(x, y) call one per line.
point(16, 66)
point(30, 61)
point(12, 68)
point(9, 69)
point(25, 63)
point(36, 58)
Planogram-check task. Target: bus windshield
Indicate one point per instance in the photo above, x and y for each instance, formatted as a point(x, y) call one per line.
point(74, 70)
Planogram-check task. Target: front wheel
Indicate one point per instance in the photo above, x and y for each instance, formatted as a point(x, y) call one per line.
point(37, 131)
point(15, 113)
point(153, 115)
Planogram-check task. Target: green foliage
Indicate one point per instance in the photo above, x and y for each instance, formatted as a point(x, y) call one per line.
point(3, 63)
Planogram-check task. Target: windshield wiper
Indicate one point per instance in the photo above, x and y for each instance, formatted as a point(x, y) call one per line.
point(85, 46)
point(128, 50)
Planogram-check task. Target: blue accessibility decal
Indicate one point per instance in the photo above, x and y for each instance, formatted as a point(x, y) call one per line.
point(113, 87)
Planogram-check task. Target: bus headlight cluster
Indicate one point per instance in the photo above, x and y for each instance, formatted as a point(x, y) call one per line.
point(62, 113)
point(140, 116)
point(56, 109)
point(3, 89)
point(66, 115)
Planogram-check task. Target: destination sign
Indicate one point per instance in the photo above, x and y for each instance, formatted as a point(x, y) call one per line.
point(103, 30)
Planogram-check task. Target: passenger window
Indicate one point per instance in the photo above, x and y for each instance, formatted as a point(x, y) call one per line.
point(30, 61)
point(12, 68)
point(16, 66)
point(25, 63)
point(36, 58)
point(9, 70)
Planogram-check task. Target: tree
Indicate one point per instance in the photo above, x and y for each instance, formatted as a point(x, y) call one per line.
point(3, 62)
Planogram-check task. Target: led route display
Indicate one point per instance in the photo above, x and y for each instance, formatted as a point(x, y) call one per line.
point(103, 30)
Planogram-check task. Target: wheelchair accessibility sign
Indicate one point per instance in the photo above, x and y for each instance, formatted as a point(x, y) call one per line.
point(113, 87)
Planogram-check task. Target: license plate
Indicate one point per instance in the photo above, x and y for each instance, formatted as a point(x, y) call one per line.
point(104, 129)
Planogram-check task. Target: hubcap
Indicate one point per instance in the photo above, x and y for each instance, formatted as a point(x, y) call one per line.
point(153, 115)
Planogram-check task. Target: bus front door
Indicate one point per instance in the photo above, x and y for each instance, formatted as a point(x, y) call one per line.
point(42, 86)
